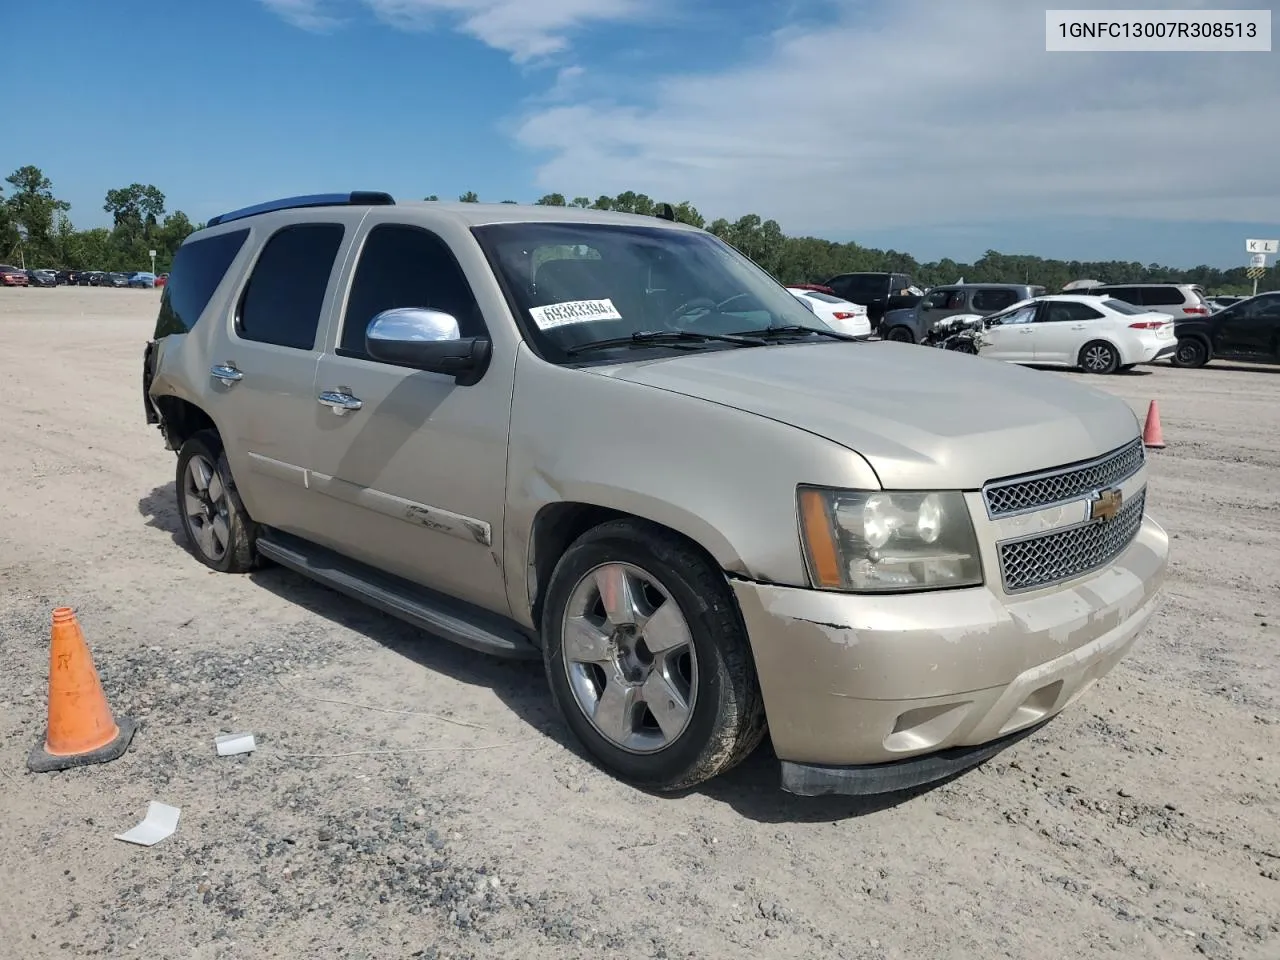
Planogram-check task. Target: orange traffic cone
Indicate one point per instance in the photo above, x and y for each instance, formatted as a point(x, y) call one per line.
point(1152, 435)
point(81, 729)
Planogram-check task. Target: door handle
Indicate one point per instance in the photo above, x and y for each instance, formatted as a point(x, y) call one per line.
point(340, 401)
point(226, 373)
point(1025, 332)
point(1078, 326)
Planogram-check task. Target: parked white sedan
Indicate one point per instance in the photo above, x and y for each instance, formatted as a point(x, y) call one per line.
point(840, 315)
point(1096, 334)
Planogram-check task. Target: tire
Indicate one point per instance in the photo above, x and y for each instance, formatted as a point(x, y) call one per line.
point(1098, 356)
point(899, 335)
point(707, 661)
point(1191, 352)
point(226, 546)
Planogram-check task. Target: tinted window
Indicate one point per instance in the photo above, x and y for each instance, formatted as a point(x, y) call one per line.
point(406, 267)
point(859, 289)
point(1127, 294)
point(282, 301)
point(198, 268)
point(937, 299)
point(1265, 307)
point(989, 301)
point(824, 297)
point(1163, 297)
point(1064, 311)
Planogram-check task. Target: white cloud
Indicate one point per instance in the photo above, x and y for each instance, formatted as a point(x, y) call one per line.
point(527, 29)
point(305, 14)
point(940, 112)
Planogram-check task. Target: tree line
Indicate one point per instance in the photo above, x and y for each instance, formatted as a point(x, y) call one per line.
point(35, 229)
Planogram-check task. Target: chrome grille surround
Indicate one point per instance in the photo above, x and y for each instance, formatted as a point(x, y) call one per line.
point(1041, 560)
point(1063, 484)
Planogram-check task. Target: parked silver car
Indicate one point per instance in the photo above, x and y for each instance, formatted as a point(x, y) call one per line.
point(614, 443)
point(913, 324)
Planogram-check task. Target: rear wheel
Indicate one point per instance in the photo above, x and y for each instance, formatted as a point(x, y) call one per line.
point(1191, 352)
point(899, 334)
point(218, 527)
point(648, 659)
point(1098, 356)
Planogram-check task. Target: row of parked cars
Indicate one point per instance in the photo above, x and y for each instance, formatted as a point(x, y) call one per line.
point(1100, 328)
point(11, 276)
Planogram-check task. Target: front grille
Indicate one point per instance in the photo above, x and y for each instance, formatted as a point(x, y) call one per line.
point(1050, 558)
point(1035, 492)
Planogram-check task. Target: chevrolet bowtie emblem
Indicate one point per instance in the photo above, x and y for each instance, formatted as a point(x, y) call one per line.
point(1105, 504)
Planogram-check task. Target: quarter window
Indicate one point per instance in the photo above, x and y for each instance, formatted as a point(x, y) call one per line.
point(403, 266)
point(197, 270)
point(1163, 297)
point(285, 294)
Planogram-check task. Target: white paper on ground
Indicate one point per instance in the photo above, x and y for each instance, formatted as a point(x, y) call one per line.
point(573, 311)
point(160, 822)
point(229, 744)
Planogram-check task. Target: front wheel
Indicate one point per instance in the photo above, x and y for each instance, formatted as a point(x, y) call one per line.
point(1099, 357)
point(900, 335)
point(1191, 352)
point(648, 659)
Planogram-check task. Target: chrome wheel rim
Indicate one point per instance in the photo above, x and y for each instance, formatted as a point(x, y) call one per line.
point(205, 501)
point(629, 658)
point(1097, 357)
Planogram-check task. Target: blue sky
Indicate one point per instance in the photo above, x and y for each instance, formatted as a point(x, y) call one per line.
point(938, 128)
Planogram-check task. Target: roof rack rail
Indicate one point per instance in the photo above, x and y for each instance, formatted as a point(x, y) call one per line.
point(352, 199)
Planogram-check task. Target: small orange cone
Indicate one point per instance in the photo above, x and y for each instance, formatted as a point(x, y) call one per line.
point(81, 729)
point(1152, 435)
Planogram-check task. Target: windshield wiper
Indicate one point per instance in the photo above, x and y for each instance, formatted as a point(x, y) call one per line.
point(645, 337)
point(791, 329)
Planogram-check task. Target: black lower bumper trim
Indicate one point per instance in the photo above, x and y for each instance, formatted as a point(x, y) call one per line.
point(805, 780)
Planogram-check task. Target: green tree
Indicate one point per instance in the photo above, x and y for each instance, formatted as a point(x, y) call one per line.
point(32, 210)
point(469, 197)
point(583, 202)
point(551, 200)
point(432, 197)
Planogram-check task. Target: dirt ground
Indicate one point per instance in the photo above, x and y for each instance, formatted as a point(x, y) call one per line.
point(411, 799)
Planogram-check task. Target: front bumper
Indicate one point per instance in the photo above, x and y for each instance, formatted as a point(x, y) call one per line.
point(855, 681)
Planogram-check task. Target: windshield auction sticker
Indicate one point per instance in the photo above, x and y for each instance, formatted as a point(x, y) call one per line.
point(573, 311)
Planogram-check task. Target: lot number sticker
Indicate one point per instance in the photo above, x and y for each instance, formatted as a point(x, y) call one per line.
point(573, 311)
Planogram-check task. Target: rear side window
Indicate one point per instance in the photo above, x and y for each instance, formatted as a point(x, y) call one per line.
point(197, 270)
point(989, 301)
point(282, 301)
point(1067, 311)
point(402, 266)
point(1127, 294)
point(1163, 297)
point(859, 289)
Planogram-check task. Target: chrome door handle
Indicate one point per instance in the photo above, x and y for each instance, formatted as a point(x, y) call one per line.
point(340, 401)
point(1078, 326)
point(226, 372)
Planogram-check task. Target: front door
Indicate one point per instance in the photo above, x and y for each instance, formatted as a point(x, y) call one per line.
point(1249, 329)
point(1010, 336)
point(263, 365)
point(414, 480)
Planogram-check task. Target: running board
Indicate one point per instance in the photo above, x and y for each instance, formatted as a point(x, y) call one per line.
point(454, 620)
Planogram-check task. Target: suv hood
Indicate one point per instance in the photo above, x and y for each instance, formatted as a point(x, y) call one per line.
point(923, 418)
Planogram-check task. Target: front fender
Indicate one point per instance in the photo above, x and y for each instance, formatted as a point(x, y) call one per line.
point(722, 477)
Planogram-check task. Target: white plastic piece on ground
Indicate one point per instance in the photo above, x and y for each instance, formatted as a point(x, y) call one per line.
point(230, 744)
point(160, 822)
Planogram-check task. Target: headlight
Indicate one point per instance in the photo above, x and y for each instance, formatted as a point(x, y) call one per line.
point(878, 541)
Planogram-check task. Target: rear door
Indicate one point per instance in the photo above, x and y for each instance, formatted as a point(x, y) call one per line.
point(263, 367)
point(1062, 328)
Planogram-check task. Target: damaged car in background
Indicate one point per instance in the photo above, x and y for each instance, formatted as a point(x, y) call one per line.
point(614, 443)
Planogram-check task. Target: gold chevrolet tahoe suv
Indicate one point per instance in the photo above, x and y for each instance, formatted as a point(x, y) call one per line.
point(615, 443)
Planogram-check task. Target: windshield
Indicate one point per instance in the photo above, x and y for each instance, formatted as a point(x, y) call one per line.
point(577, 283)
point(1120, 306)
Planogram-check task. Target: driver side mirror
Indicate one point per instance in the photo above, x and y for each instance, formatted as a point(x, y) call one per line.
point(427, 340)
point(925, 307)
